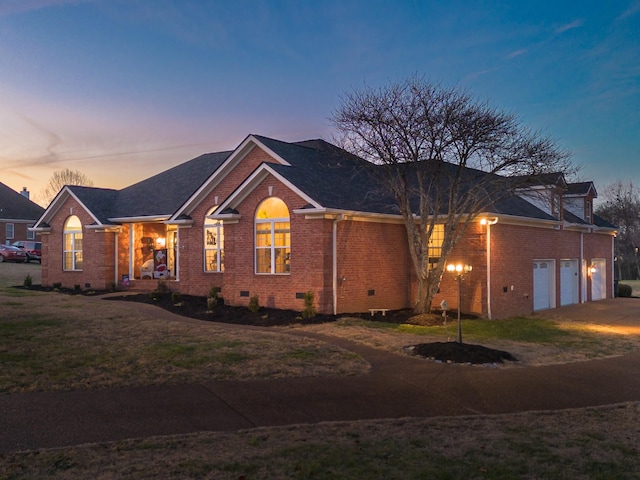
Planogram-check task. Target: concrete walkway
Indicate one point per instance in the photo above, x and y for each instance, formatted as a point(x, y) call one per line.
point(396, 387)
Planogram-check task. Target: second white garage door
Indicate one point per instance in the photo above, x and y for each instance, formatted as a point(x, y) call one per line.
point(543, 284)
point(568, 282)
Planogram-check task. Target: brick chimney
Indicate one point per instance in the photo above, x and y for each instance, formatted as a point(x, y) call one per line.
point(24, 192)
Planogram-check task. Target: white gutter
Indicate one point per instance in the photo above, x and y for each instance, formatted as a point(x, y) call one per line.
point(336, 220)
point(150, 218)
point(488, 224)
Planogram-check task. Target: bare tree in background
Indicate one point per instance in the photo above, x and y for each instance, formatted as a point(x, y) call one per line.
point(621, 207)
point(59, 179)
point(444, 156)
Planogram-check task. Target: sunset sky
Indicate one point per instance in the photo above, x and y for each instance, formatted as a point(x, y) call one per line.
point(123, 89)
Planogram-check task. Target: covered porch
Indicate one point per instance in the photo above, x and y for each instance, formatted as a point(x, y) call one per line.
point(146, 253)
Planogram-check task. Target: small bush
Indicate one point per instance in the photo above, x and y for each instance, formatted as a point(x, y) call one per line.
point(175, 297)
point(111, 287)
point(57, 285)
point(624, 290)
point(254, 303)
point(155, 295)
point(162, 286)
point(211, 303)
point(212, 299)
point(77, 287)
point(28, 281)
point(309, 310)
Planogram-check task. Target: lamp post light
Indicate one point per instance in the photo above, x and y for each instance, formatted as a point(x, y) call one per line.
point(458, 270)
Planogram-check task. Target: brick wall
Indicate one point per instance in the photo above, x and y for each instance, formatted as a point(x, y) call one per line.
point(309, 241)
point(98, 252)
point(374, 268)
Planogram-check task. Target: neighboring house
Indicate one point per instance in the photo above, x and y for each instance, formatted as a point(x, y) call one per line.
point(17, 214)
point(278, 219)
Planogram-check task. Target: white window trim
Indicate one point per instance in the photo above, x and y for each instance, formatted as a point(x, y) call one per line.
point(273, 248)
point(219, 248)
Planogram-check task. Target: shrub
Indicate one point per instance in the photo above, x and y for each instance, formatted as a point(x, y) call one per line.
point(111, 287)
point(212, 299)
point(77, 287)
point(211, 303)
point(162, 286)
point(155, 295)
point(254, 303)
point(57, 285)
point(624, 290)
point(175, 297)
point(28, 281)
point(309, 310)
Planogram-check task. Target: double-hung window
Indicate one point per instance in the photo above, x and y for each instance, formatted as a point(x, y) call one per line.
point(435, 244)
point(273, 237)
point(213, 244)
point(72, 252)
point(9, 231)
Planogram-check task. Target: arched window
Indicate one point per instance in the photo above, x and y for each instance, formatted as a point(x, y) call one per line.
point(213, 244)
point(273, 246)
point(72, 254)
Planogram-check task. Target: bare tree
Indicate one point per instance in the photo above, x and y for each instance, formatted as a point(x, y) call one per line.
point(444, 156)
point(59, 179)
point(621, 207)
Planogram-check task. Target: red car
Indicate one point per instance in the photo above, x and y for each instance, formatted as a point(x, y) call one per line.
point(9, 253)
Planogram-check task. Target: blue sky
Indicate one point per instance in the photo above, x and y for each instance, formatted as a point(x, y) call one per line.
point(121, 90)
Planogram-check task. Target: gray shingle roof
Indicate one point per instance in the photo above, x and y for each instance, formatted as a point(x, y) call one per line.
point(159, 195)
point(332, 177)
point(580, 188)
point(15, 206)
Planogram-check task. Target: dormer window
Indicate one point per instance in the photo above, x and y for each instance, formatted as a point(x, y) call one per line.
point(587, 211)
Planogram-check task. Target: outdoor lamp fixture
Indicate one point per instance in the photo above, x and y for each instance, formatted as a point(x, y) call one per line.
point(161, 241)
point(458, 270)
point(592, 269)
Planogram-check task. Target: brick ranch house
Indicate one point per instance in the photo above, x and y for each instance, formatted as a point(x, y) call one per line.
point(278, 219)
point(17, 214)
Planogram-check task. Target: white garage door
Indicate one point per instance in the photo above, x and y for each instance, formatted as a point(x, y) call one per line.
point(543, 284)
point(568, 282)
point(598, 279)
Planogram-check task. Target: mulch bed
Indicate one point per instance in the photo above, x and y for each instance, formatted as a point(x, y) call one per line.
point(196, 307)
point(455, 352)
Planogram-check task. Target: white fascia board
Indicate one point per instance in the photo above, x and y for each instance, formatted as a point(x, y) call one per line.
point(226, 218)
point(57, 203)
point(181, 222)
point(332, 213)
point(147, 219)
point(104, 228)
point(528, 221)
point(15, 220)
point(227, 166)
point(255, 179)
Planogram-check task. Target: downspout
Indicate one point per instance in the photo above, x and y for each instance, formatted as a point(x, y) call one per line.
point(613, 267)
point(115, 259)
point(489, 315)
point(583, 279)
point(488, 223)
point(336, 220)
